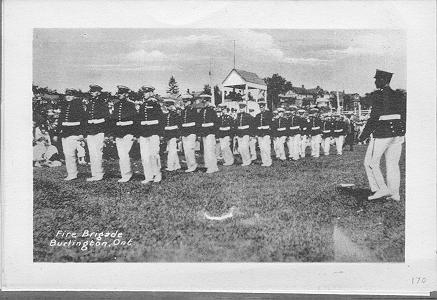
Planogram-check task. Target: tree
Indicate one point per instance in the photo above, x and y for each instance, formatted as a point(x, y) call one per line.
point(275, 86)
point(173, 88)
point(217, 95)
point(207, 89)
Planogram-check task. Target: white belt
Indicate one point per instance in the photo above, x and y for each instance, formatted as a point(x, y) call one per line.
point(304, 128)
point(124, 123)
point(243, 127)
point(171, 127)
point(149, 106)
point(207, 124)
point(225, 128)
point(96, 121)
point(390, 117)
point(70, 123)
point(281, 129)
point(151, 122)
point(338, 130)
point(314, 128)
point(294, 127)
point(326, 131)
point(191, 124)
point(264, 127)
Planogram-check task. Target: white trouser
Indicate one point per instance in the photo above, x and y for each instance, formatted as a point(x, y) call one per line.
point(315, 145)
point(209, 152)
point(124, 145)
point(225, 147)
point(243, 149)
point(149, 148)
point(265, 149)
point(172, 155)
point(326, 145)
point(95, 147)
point(252, 146)
point(279, 147)
point(69, 145)
point(392, 149)
point(303, 145)
point(339, 144)
point(293, 144)
point(189, 145)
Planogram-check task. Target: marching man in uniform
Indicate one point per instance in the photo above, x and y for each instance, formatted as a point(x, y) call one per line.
point(252, 138)
point(224, 133)
point(305, 129)
point(339, 133)
point(97, 113)
point(150, 119)
point(294, 139)
point(262, 123)
point(387, 126)
point(279, 126)
point(124, 116)
point(316, 133)
point(243, 128)
point(328, 125)
point(71, 121)
point(171, 133)
point(208, 122)
point(188, 132)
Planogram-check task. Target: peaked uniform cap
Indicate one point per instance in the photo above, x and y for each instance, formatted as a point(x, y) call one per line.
point(147, 88)
point(383, 74)
point(95, 88)
point(70, 92)
point(122, 89)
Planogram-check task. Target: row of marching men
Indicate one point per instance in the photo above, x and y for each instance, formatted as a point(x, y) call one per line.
point(150, 123)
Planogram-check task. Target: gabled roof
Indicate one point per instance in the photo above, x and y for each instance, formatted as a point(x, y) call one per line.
point(249, 76)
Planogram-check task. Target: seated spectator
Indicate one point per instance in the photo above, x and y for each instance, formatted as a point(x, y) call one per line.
point(44, 153)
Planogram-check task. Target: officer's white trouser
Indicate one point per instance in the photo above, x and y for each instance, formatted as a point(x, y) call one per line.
point(303, 145)
point(392, 148)
point(124, 145)
point(252, 145)
point(69, 145)
point(326, 145)
point(243, 148)
point(315, 145)
point(189, 145)
point(294, 144)
point(209, 153)
point(279, 147)
point(339, 144)
point(95, 147)
point(265, 149)
point(149, 148)
point(172, 155)
point(225, 147)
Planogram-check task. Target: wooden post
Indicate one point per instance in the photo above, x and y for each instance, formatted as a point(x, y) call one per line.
point(223, 94)
point(246, 96)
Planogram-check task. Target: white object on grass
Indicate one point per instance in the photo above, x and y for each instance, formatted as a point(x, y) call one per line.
point(346, 184)
point(228, 215)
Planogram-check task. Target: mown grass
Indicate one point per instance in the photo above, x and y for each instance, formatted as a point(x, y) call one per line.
point(285, 213)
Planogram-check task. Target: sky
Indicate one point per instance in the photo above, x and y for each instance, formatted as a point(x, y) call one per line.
point(332, 59)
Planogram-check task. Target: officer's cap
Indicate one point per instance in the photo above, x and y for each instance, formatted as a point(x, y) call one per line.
point(262, 103)
point(222, 105)
point(314, 110)
point(70, 92)
point(205, 97)
point(383, 74)
point(275, 111)
point(122, 89)
point(280, 109)
point(301, 111)
point(241, 104)
point(147, 89)
point(95, 88)
point(187, 97)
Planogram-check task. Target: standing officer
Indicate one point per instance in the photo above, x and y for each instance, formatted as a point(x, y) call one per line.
point(124, 116)
point(305, 129)
point(294, 139)
point(328, 124)
point(252, 138)
point(97, 113)
point(171, 133)
point(279, 129)
point(349, 132)
point(70, 129)
point(316, 133)
point(262, 123)
point(244, 124)
point(224, 133)
point(188, 132)
point(208, 123)
point(387, 125)
point(149, 130)
point(339, 132)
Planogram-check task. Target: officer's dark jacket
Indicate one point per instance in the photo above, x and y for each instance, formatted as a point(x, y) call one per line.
point(190, 121)
point(305, 127)
point(225, 126)
point(262, 123)
point(97, 109)
point(123, 118)
point(72, 118)
point(294, 125)
point(340, 128)
point(244, 124)
point(315, 125)
point(207, 121)
point(280, 126)
point(387, 117)
point(150, 119)
point(172, 124)
point(328, 128)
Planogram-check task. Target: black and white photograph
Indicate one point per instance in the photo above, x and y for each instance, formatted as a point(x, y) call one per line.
point(219, 145)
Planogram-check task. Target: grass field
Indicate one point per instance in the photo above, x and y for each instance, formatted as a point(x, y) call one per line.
point(290, 212)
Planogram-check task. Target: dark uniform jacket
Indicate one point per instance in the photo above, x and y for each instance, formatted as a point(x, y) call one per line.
point(316, 126)
point(172, 124)
point(339, 128)
point(243, 124)
point(72, 118)
point(225, 126)
point(207, 121)
point(279, 127)
point(150, 119)
point(262, 123)
point(190, 120)
point(305, 128)
point(294, 125)
point(123, 118)
point(97, 113)
point(387, 117)
point(328, 128)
